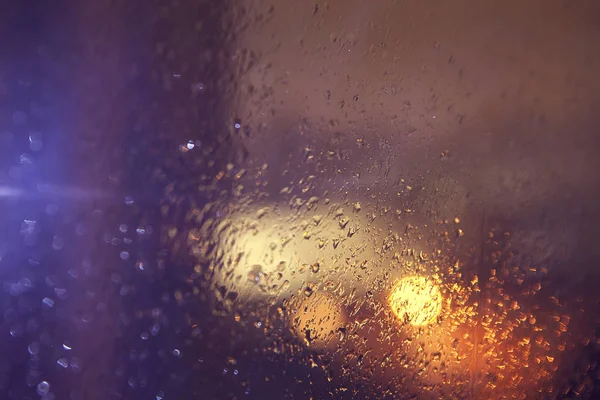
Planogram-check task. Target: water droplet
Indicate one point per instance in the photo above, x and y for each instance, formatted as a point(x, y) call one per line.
point(255, 273)
point(115, 278)
point(50, 281)
point(49, 396)
point(124, 256)
point(129, 200)
point(63, 362)
point(75, 364)
point(25, 284)
point(61, 293)
point(315, 267)
point(123, 228)
point(35, 142)
point(335, 242)
point(43, 388)
point(80, 229)
point(67, 345)
point(262, 212)
point(58, 243)
point(28, 227)
point(160, 395)
point(176, 352)
point(87, 317)
point(16, 331)
point(25, 159)
point(33, 348)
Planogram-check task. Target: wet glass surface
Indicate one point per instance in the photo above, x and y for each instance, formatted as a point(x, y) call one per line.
point(299, 200)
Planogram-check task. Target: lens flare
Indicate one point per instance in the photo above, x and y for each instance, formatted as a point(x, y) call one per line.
point(416, 300)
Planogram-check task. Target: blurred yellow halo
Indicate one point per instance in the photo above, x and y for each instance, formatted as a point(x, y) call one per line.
point(416, 300)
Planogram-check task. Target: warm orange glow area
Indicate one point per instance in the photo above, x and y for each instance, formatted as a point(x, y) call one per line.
point(318, 319)
point(416, 300)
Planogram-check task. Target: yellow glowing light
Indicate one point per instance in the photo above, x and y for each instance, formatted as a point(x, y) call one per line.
point(416, 300)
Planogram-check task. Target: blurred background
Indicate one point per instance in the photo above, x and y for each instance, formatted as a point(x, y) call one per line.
point(299, 199)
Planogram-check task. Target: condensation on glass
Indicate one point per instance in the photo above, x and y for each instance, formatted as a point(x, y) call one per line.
point(412, 215)
point(300, 200)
